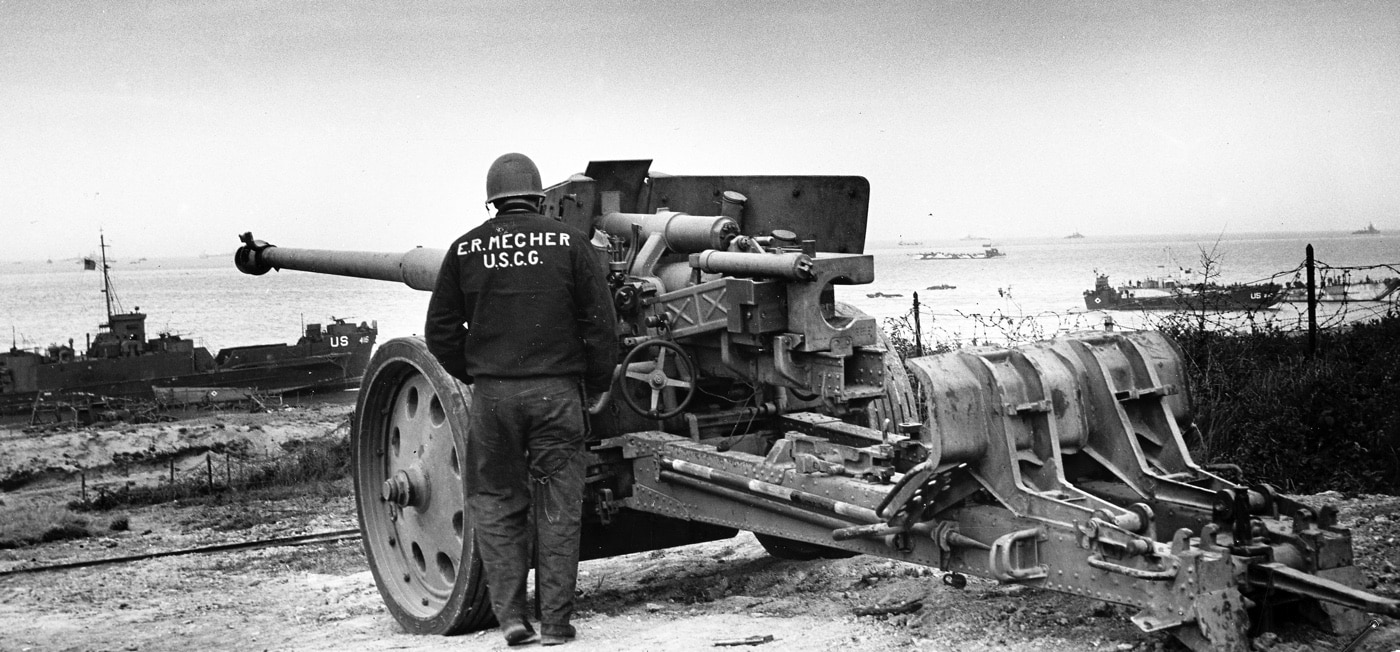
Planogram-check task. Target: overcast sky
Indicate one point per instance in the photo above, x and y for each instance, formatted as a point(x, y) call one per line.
point(175, 125)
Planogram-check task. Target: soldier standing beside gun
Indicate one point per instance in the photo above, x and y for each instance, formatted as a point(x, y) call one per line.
point(522, 310)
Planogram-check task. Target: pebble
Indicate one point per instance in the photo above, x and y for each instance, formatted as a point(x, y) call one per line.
point(1124, 647)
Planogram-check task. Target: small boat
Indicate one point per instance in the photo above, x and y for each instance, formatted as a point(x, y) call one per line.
point(1364, 290)
point(1172, 294)
point(941, 286)
point(987, 252)
point(202, 395)
point(882, 295)
point(1345, 291)
point(1369, 230)
point(121, 362)
point(909, 243)
point(1074, 236)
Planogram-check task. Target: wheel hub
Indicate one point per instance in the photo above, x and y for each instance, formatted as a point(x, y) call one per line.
point(407, 488)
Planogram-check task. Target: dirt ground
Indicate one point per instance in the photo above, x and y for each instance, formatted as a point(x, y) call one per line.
point(323, 596)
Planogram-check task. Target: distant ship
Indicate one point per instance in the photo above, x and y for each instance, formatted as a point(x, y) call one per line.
point(1369, 230)
point(1171, 294)
point(987, 252)
point(909, 243)
point(1074, 236)
point(121, 362)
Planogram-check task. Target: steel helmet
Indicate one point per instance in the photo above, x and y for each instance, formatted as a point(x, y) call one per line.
point(513, 175)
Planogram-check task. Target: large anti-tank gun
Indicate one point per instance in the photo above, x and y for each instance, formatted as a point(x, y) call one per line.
point(750, 399)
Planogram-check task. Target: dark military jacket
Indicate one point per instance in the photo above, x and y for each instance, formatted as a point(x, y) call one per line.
point(523, 295)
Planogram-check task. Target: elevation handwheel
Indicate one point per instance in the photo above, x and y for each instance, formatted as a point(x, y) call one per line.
point(649, 367)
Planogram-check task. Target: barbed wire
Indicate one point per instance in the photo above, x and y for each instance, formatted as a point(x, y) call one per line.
point(228, 469)
point(1014, 326)
point(1273, 277)
point(1394, 267)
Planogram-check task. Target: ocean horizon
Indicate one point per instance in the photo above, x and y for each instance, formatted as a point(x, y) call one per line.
point(1041, 279)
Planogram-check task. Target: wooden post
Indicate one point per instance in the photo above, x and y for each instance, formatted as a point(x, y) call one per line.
point(918, 329)
point(209, 471)
point(1312, 304)
point(82, 473)
point(172, 471)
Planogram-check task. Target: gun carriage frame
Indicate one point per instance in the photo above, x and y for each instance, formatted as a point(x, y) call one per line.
point(752, 400)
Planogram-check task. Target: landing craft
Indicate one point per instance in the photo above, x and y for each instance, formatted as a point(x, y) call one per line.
point(1171, 294)
point(122, 362)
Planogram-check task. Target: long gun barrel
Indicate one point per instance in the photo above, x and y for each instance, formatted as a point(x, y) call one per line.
point(416, 268)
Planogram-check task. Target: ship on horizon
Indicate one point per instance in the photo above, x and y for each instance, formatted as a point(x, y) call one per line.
point(1369, 230)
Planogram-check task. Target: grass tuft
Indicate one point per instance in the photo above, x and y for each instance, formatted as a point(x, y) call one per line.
point(23, 524)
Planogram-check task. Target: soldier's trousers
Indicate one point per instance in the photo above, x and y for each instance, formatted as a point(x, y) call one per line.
point(525, 453)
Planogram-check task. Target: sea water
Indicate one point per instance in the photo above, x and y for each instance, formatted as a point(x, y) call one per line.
point(1041, 282)
point(1038, 283)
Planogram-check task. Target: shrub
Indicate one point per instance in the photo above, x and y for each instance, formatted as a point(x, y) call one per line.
point(1305, 422)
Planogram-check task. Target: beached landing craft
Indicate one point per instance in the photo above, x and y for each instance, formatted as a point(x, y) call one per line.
point(750, 399)
point(121, 362)
point(1345, 290)
point(1171, 294)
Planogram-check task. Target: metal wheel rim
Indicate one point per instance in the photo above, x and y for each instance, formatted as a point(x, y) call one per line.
point(418, 549)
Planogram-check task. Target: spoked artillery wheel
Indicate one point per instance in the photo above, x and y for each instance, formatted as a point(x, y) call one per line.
point(409, 447)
